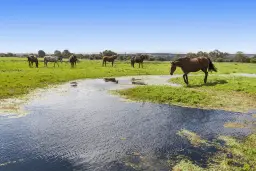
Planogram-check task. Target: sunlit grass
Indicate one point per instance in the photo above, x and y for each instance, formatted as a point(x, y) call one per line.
point(16, 78)
point(232, 93)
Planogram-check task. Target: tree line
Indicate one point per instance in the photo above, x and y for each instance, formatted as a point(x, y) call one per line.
point(215, 55)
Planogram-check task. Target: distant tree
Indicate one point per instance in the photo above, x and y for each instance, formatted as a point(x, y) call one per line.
point(57, 53)
point(161, 58)
point(86, 56)
point(241, 57)
point(41, 53)
point(253, 59)
point(177, 56)
point(120, 57)
point(151, 59)
point(216, 54)
point(191, 55)
point(219, 60)
point(80, 56)
point(66, 53)
point(9, 54)
point(108, 53)
point(201, 53)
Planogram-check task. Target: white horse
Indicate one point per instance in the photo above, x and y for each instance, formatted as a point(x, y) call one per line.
point(54, 59)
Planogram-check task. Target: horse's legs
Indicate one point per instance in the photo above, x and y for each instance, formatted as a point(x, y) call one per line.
point(205, 78)
point(206, 75)
point(142, 64)
point(112, 63)
point(58, 64)
point(185, 77)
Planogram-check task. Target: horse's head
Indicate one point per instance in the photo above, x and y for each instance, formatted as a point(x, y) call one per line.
point(173, 67)
point(114, 56)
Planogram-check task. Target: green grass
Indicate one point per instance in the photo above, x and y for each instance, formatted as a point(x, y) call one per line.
point(221, 83)
point(16, 78)
point(232, 93)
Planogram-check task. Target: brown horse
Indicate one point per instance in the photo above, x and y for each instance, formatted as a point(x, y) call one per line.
point(108, 59)
point(138, 59)
point(188, 65)
point(31, 60)
point(73, 59)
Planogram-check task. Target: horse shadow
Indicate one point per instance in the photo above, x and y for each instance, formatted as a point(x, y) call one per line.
point(213, 83)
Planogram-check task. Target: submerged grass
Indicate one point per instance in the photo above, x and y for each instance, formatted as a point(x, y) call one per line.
point(234, 155)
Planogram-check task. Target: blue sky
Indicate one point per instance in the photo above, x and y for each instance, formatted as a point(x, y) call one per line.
point(89, 26)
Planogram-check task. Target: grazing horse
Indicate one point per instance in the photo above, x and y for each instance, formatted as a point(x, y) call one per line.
point(188, 65)
point(138, 59)
point(51, 59)
point(73, 59)
point(108, 59)
point(31, 60)
point(60, 58)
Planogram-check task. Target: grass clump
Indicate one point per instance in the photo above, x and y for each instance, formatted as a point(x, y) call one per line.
point(167, 94)
point(193, 138)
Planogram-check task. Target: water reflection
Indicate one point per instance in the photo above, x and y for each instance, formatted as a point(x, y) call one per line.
point(85, 128)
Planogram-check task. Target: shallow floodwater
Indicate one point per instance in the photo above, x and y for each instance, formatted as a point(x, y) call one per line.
point(83, 127)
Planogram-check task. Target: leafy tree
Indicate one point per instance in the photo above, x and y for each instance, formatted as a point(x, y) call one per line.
point(121, 57)
point(151, 59)
point(66, 53)
point(108, 53)
point(253, 59)
point(191, 55)
point(241, 57)
point(41, 53)
point(201, 53)
point(80, 56)
point(216, 54)
point(57, 53)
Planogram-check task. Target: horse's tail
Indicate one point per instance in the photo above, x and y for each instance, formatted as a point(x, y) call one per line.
point(211, 66)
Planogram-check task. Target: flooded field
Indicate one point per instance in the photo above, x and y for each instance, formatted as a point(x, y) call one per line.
point(81, 126)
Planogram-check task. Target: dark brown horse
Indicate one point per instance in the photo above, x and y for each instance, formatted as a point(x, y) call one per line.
point(108, 59)
point(188, 65)
point(73, 59)
point(31, 60)
point(138, 59)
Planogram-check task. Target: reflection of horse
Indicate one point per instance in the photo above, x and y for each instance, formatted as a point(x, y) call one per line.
point(193, 65)
point(109, 59)
point(138, 59)
point(31, 60)
point(73, 59)
point(51, 59)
